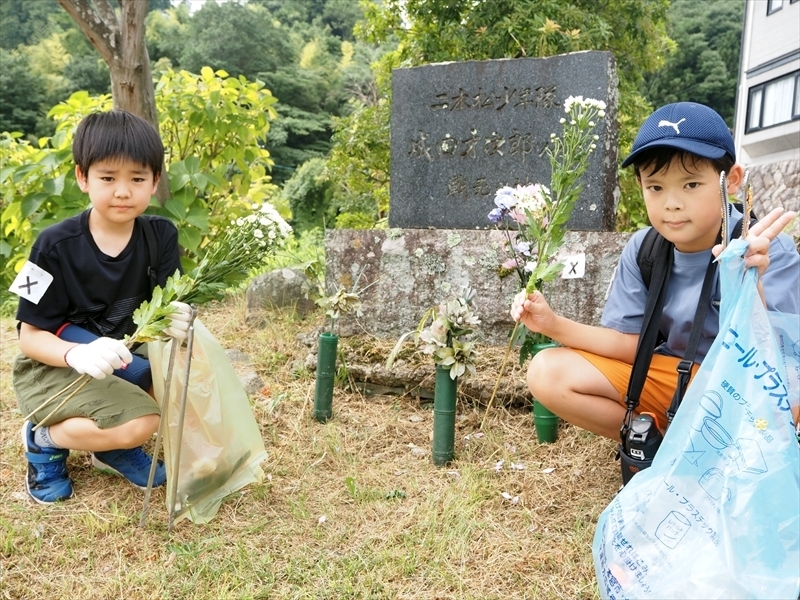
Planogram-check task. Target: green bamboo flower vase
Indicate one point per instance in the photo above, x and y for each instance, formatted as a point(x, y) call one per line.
point(444, 417)
point(545, 422)
point(326, 371)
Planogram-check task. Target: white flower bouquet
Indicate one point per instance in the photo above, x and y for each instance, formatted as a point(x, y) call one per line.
point(537, 215)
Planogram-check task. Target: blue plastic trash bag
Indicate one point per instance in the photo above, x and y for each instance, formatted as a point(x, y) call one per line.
point(717, 515)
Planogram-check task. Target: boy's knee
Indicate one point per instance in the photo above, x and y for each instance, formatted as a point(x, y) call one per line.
point(543, 374)
point(136, 432)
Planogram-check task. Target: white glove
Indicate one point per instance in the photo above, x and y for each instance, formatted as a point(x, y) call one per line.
point(98, 358)
point(179, 321)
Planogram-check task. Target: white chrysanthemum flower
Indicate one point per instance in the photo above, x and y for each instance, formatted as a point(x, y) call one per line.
point(258, 233)
point(583, 103)
point(570, 101)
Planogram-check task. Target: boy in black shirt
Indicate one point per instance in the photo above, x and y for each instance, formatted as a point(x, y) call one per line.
point(89, 273)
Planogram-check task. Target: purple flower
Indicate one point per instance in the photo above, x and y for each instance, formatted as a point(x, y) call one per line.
point(496, 215)
point(523, 248)
point(505, 198)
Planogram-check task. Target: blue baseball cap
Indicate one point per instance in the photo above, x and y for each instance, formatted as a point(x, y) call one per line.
point(688, 126)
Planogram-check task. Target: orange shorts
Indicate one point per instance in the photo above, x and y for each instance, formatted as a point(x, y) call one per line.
point(659, 386)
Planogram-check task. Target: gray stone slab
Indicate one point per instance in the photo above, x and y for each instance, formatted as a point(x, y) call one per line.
point(462, 130)
point(404, 272)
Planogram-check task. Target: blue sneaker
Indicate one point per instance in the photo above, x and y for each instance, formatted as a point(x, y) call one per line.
point(133, 465)
point(48, 480)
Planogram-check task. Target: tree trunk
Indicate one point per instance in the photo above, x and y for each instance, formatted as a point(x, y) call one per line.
point(120, 42)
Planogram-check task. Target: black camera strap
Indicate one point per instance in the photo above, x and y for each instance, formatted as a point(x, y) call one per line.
point(152, 248)
point(685, 366)
point(662, 267)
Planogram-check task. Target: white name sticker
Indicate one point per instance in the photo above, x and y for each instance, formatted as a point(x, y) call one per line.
point(574, 267)
point(31, 283)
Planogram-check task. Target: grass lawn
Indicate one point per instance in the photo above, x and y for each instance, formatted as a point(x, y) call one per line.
point(353, 508)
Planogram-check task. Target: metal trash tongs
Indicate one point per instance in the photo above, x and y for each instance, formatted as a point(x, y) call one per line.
point(172, 485)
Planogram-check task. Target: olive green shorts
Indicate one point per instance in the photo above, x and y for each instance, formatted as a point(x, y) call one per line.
point(108, 402)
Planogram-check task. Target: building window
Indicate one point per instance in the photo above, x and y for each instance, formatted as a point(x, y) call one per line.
point(774, 6)
point(774, 102)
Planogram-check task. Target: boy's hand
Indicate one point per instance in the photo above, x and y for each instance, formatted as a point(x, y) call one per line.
point(98, 358)
point(179, 321)
point(760, 236)
point(532, 311)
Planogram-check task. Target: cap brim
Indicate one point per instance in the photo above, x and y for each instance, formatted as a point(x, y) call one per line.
point(697, 147)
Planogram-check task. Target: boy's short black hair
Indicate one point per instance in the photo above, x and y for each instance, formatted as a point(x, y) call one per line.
point(656, 159)
point(117, 134)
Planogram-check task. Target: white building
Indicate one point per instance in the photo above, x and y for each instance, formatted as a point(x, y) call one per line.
point(767, 130)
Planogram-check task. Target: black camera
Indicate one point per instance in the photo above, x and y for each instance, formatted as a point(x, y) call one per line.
point(640, 446)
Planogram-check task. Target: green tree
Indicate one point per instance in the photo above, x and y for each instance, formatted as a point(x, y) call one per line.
point(308, 194)
point(23, 22)
point(339, 16)
point(87, 72)
point(237, 38)
point(165, 33)
point(359, 160)
point(342, 17)
point(119, 39)
point(23, 93)
point(309, 93)
point(705, 64)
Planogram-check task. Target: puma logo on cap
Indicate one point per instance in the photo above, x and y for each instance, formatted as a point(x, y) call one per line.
point(665, 123)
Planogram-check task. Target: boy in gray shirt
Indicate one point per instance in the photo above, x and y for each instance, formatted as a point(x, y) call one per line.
point(678, 156)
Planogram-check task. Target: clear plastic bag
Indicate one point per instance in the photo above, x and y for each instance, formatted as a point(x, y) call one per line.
point(717, 515)
point(222, 447)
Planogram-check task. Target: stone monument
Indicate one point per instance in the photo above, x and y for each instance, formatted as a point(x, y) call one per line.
point(459, 132)
point(462, 130)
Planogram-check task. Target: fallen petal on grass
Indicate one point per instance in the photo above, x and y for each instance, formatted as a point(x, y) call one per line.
point(513, 499)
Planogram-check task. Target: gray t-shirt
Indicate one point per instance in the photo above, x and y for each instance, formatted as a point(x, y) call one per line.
point(627, 295)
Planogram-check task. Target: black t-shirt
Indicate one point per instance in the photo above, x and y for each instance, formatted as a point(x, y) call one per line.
point(91, 289)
